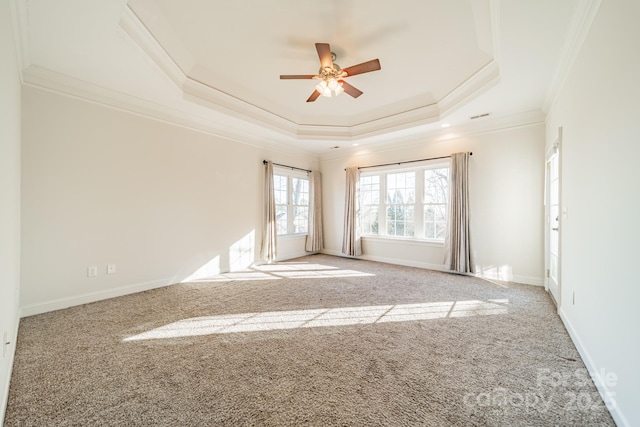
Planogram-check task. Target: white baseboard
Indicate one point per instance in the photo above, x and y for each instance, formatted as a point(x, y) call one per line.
point(601, 383)
point(438, 267)
point(61, 303)
point(292, 255)
point(525, 280)
point(406, 263)
point(335, 253)
point(5, 386)
point(58, 304)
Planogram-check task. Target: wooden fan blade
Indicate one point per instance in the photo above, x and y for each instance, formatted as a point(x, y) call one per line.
point(313, 96)
point(296, 76)
point(351, 90)
point(324, 53)
point(365, 67)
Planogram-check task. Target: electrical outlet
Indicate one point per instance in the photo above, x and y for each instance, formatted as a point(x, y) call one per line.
point(111, 268)
point(92, 271)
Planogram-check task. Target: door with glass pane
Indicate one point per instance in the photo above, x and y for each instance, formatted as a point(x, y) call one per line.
point(553, 224)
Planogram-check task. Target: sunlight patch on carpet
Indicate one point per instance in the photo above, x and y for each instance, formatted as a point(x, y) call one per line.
point(342, 316)
point(294, 266)
point(292, 270)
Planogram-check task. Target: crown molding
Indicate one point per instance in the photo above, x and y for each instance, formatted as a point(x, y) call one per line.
point(215, 124)
point(215, 99)
point(212, 98)
point(487, 77)
point(494, 8)
point(20, 28)
point(141, 36)
point(578, 29)
point(420, 137)
point(396, 122)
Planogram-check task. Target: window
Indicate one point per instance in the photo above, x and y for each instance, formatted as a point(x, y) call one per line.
point(281, 194)
point(291, 192)
point(300, 204)
point(436, 190)
point(369, 204)
point(408, 203)
point(400, 205)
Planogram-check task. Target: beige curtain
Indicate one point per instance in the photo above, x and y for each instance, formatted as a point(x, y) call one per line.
point(269, 230)
point(458, 253)
point(351, 244)
point(315, 241)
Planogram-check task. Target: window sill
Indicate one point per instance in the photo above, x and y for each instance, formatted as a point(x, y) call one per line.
point(404, 241)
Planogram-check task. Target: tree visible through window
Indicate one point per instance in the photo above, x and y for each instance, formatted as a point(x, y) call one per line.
point(401, 199)
point(436, 190)
point(407, 203)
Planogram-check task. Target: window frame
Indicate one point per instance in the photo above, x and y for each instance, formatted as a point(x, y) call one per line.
point(419, 206)
point(443, 205)
point(291, 208)
point(402, 208)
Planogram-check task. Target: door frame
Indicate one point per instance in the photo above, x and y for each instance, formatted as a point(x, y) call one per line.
point(555, 149)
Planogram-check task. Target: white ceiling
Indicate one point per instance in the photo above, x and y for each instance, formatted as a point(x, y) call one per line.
point(217, 64)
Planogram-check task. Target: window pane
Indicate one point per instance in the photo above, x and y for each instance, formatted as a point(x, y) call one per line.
point(554, 167)
point(429, 229)
point(369, 219)
point(280, 189)
point(401, 188)
point(401, 195)
point(435, 221)
point(436, 191)
point(300, 192)
point(436, 185)
point(400, 220)
point(391, 228)
point(369, 204)
point(300, 219)
point(281, 218)
point(370, 190)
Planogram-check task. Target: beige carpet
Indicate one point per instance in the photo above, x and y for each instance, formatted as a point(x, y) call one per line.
point(317, 341)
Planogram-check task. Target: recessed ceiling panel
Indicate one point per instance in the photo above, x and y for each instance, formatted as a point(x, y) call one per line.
point(428, 50)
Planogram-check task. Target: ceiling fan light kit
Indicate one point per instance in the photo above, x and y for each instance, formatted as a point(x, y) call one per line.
point(330, 87)
point(331, 76)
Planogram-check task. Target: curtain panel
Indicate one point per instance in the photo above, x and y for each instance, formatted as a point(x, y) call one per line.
point(351, 242)
point(458, 252)
point(268, 252)
point(315, 242)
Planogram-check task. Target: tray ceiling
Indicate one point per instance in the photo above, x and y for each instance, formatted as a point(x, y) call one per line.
point(240, 49)
point(219, 62)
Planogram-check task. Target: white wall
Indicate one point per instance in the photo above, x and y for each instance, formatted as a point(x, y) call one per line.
point(9, 199)
point(102, 186)
point(598, 109)
point(506, 192)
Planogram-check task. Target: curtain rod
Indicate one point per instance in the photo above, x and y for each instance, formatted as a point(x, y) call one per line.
point(408, 161)
point(264, 162)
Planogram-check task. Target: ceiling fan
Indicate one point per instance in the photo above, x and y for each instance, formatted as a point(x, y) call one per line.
point(331, 76)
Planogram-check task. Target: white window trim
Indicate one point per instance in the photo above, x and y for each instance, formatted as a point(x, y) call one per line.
point(418, 205)
point(290, 174)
